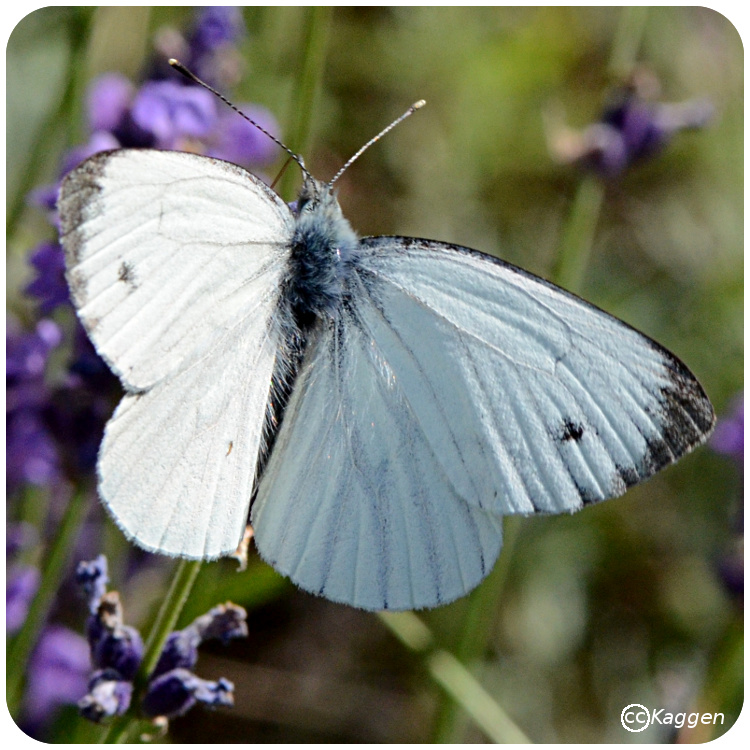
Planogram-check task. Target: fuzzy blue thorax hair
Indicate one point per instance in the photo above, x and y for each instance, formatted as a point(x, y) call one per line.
point(323, 248)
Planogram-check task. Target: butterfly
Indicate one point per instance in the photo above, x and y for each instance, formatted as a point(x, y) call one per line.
point(376, 405)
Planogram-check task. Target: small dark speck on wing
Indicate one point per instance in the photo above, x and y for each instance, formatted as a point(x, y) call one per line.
point(126, 274)
point(571, 431)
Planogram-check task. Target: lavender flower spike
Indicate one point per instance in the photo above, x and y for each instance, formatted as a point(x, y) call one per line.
point(177, 691)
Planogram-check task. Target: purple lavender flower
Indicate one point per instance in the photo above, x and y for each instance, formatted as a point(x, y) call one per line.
point(212, 55)
point(173, 689)
point(631, 128)
point(114, 645)
point(174, 113)
point(49, 287)
point(729, 436)
point(177, 691)
point(224, 622)
point(31, 452)
point(57, 674)
point(117, 650)
point(20, 588)
point(108, 101)
point(108, 695)
point(216, 27)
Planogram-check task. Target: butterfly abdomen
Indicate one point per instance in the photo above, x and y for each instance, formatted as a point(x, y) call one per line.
point(324, 249)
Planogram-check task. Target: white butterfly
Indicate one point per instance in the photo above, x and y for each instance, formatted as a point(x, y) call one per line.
point(383, 402)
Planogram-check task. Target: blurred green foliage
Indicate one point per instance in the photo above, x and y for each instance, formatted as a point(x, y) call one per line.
point(619, 604)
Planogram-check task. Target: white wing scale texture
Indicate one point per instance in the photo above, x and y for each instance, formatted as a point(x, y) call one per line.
point(184, 316)
point(162, 250)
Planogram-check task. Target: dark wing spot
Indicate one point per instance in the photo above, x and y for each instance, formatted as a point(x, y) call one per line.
point(570, 430)
point(126, 274)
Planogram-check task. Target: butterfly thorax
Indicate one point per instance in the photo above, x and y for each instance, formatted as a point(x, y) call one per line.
point(324, 247)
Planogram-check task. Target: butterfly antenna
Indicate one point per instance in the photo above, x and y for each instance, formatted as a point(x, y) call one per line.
point(414, 107)
point(180, 68)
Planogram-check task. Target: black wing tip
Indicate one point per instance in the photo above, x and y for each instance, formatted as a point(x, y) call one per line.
point(686, 417)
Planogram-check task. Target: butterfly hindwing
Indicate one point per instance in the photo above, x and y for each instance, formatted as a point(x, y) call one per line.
point(362, 513)
point(177, 463)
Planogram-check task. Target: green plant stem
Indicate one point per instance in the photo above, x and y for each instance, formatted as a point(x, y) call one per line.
point(627, 40)
point(311, 77)
point(578, 235)
point(79, 19)
point(166, 619)
point(58, 559)
point(477, 628)
point(454, 678)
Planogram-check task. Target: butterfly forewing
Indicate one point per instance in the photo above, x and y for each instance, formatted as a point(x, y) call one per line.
point(571, 405)
point(163, 249)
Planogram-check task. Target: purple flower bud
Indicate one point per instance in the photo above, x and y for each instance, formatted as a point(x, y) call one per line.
point(729, 436)
point(92, 577)
point(173, 112)
point(223, 622)
point(20, 587)
point(49, 287)
point(108, 696)
point(216, 26)
point(637, 132)
point(109, 98)
point(236, 140)
point(177, 691)
point(180, 650)
point(114, 645)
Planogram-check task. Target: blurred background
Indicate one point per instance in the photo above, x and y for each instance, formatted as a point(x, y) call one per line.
point(637, 600)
